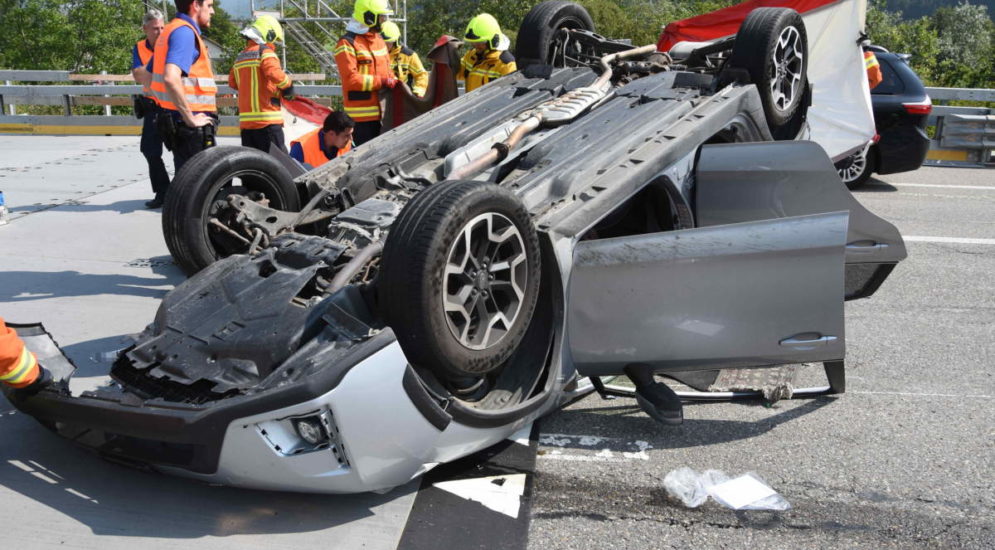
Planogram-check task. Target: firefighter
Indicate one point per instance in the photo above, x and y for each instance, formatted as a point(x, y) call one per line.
point(19, 369)
point(364, 65)
point(261, 82)
point(145, 107)
point(404, 61)
point(321, 145)
point(489, 58)
point(183, 82)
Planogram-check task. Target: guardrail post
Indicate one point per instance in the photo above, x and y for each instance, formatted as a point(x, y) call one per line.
point(67, 101)
point(13, 108)
point(107, 108)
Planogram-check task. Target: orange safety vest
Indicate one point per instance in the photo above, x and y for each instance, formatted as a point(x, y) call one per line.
point(18, 366)
point(199, 87)
point(363, 60)
point(144, 54)
point(314, 152)
point(258, 77)
point(874, 76)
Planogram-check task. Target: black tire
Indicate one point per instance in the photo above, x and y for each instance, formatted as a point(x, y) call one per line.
point(856, 169)
point(755, 49)
point(412, 286)
point(537, 33)
point(206, 178)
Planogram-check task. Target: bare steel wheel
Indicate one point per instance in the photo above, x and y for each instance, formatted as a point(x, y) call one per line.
point(485, 278)
point(787, 66)
point(459, 279)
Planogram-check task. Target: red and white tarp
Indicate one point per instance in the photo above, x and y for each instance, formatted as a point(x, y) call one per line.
point(840, 118)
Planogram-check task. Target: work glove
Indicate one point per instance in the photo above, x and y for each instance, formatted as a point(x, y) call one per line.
point(288, 92)
point(388, 82)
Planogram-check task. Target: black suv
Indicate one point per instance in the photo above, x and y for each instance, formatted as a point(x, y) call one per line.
point(901, 107)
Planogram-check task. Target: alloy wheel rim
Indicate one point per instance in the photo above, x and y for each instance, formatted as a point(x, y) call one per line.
point(484, 281)
point(787, 65)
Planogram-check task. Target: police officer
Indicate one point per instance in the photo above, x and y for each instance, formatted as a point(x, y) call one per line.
point(145, 106)
point(183, 82)
point(364, 65)
point(260, 81)
point(404, 61)
point(489, 59)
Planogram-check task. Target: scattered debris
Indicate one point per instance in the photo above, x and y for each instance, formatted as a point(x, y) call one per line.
point(746, 492)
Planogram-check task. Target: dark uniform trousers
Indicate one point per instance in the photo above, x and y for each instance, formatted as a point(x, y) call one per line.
point(261, 138)
point(151, 147)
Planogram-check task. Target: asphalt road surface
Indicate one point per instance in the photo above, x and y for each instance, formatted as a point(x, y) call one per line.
point(904, 459)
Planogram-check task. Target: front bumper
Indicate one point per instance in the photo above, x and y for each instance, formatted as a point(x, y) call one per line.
point(378, 435)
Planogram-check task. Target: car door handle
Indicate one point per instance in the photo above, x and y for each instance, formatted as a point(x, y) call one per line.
point(807, 341)
point(865, 247)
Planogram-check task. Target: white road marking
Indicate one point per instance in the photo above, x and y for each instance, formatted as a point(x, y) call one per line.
point(503, 494)
point(939, 186)
point(609, 449)
point(951, 240)
point(522, 436)
point(914, 394)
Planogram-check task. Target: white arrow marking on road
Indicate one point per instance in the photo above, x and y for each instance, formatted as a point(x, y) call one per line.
point(503, 494)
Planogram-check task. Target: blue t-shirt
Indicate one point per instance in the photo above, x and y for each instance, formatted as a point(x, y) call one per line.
point(183, 50)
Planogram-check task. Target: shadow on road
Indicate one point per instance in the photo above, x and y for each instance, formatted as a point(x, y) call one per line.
point(113, 500)
point(875, 185)
point(76, 205)
point(20, 286)
point(612, 422)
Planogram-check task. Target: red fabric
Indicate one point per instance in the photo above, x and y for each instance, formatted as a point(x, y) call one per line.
point(726, 22)
point(302, 107)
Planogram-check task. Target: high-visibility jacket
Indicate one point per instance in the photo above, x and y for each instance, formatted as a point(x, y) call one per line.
point(258, 77)
point(408, 67)
point(363, 60)
point(199, 87)
point(874, 76)
point(18, 366)
point(479, 68)
point(314, 150)
point(144, 55)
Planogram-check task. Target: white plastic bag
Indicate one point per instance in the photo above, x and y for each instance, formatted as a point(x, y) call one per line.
point(746, 492)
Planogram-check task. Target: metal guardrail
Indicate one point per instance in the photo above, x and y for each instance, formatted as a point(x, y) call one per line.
point(102, 90)
point(965, 136)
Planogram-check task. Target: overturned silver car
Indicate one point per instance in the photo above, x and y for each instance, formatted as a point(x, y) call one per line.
point(429, 294)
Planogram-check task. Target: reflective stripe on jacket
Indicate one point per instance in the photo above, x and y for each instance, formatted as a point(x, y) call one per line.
point(874, 76)
point(363, 61)
point(18, 366)
point(199, 87)
point(314, 152)
point(144, 55)
point(408, 68)
point(258, 77)
point(478, 68)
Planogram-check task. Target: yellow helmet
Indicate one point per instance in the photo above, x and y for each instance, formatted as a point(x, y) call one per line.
point(368, 12)
point(484, 28)
point(390, 32)
point(267, 28)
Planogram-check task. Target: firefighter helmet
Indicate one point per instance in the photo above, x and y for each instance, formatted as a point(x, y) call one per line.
point(485, 28)
point(390, 32)
point(264, 30)
point(368, 12)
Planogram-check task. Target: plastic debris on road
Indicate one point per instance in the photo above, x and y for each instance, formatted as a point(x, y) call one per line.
point(746, 492)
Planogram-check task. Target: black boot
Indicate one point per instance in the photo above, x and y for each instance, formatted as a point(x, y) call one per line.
point(156, 202)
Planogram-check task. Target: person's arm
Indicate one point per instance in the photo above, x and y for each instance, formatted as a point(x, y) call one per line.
point(420, 75)
point(233, 79)
point(174, 87)
point(138, 72)
point(297, 152)
point(272, 71)
point(345, 59)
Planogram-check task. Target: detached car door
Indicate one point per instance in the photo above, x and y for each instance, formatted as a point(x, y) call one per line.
point(761, 279)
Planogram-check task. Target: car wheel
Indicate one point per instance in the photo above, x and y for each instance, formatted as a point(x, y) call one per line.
point(196, 203)
point(459, 278)
point(539, 41)
point(856, 169)
point(772, 46)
